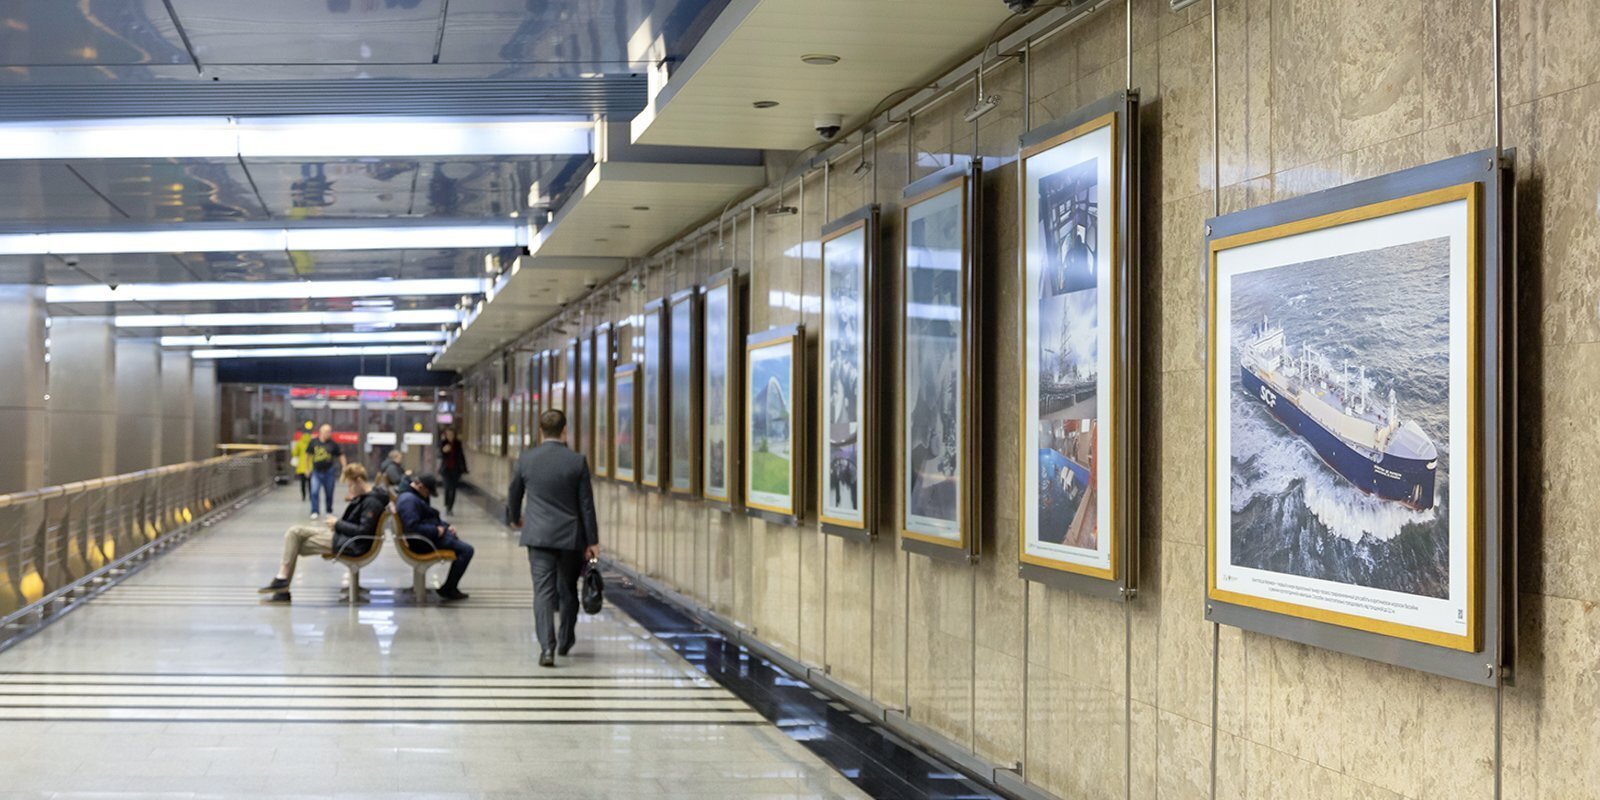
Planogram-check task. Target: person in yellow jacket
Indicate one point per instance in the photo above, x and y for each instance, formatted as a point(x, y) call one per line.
point(300, 462)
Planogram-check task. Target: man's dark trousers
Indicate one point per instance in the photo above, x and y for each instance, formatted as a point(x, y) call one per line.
point(555, 590)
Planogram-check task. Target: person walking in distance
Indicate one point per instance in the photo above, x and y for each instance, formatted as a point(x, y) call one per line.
point(327, 458)
point(559, 529)
point(452, 465)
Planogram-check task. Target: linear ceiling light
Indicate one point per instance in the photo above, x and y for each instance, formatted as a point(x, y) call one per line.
point(255, 339)
point(313, 352)
point(409, 316)
point(200, 238)
point(295, 137)
point(259, 290)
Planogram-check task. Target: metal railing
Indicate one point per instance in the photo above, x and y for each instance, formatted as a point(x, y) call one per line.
point(62, 543)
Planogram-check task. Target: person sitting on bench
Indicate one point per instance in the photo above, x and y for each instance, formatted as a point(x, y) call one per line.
point(350, 535)
point(426, 532)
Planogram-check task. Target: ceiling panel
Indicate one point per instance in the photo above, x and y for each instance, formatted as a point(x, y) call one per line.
point(310, 31)
point(606, 35)
point(88, 32)
point(173, 190)
point(882, 47)
point(49, 192)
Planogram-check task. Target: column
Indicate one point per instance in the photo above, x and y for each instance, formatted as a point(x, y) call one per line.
point(138, 370)
point(23, 413)
point(83, 400)
point(177, 407)
point(207, 407)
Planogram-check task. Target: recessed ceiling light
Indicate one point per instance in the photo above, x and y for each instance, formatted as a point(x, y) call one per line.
point(820, 59)
point(765, 104)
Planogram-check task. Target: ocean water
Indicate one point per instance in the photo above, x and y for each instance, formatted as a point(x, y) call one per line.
point(1386, 309)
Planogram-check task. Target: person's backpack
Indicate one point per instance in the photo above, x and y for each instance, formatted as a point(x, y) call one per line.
point(594, 588)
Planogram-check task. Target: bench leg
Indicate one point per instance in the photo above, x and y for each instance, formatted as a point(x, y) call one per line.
point(355, 587)
point(419, 583)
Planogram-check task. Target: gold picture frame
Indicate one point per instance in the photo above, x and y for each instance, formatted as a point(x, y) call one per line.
point(1469, 465)
point(787, 347)
point(956, 184)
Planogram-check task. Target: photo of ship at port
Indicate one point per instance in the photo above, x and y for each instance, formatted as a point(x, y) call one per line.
point(1340, 417)
point(1069, 364)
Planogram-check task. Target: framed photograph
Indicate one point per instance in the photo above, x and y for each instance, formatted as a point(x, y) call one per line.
point(683, 390)
point(583, 405)
point(555, 380)
point(625, 423)
point(724, 330)
point(600, 428)
point(774, 413)
point(571, 402)
point(1077, 268)
point(938, 355)
point(847, 435)
point(652, 411)
point(1355, 466)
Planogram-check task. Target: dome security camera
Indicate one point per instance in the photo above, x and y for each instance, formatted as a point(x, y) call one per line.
point(828, 125)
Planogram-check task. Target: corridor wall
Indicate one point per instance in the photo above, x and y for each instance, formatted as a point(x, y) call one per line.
point(1098, 698)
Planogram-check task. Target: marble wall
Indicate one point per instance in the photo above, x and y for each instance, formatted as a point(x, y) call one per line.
point(1100, 699)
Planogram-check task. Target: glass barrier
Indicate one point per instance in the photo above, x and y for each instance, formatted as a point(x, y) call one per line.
point(59, 542)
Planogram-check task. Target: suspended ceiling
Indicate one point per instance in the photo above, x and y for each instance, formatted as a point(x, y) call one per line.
point(753, 53)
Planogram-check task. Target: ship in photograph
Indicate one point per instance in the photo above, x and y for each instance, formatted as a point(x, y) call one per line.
point(1329, 407)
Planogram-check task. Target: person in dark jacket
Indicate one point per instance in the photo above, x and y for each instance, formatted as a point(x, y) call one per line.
point(426, 531)
point(392, 471)
point(350, 535)
point(452, 465)
point(559, 528)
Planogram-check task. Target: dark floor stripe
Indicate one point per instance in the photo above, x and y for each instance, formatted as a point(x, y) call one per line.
point(270, 721)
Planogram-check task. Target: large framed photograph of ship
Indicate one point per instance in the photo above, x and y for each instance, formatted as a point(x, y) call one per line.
point(939, 353)
point(1079, 374)
point(652, 401)
point(773, 421)
point(1355, 463)
point(720, 391)
point(683, 393)
point(848, 431)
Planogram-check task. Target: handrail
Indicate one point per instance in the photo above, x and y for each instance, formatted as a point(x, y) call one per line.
point(59, 544)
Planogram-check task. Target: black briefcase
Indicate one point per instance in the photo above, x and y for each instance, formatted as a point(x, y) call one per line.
point(594, 588)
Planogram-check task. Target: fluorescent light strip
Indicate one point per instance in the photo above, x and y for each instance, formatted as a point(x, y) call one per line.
point(200, 238)
point(259, 290)
point(296, 137)
point(410, 316)
point(312, 352)
point(252, 339)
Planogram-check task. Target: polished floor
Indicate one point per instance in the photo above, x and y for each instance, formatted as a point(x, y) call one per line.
point(180, 683)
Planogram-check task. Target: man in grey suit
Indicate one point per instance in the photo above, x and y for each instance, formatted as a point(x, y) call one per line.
point(558, 528)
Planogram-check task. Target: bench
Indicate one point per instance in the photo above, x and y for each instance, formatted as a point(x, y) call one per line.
point(354, 563)
point(419, 561)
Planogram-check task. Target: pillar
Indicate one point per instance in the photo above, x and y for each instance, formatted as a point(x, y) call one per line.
point(23, 413)
point(177, 407)
point(207, 408)
point(83, 400)
point(139, 399)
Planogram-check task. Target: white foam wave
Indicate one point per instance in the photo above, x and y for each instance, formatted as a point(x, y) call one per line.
point(1279, 457)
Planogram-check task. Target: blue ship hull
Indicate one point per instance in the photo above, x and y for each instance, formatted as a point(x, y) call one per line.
point(1407, 480)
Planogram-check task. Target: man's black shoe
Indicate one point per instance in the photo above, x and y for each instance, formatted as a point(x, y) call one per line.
point(277, 585)
point(280, 597)
point(566, 647)
point(547, 659)
point(452, 595)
